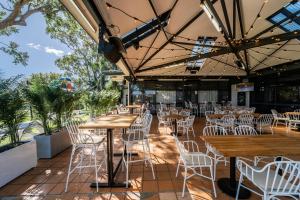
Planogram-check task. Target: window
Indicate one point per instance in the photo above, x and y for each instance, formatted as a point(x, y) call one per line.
point(288, 17)
point(199, 48)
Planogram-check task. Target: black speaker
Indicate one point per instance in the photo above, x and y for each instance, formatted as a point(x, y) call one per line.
point(110, 51)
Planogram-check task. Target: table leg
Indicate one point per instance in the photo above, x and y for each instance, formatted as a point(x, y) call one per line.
point(229, 185)
point(110, 165)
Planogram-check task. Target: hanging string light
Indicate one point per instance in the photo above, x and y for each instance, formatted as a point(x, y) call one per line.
point(258, 16)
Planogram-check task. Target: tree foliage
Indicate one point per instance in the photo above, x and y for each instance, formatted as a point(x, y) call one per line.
point(50, 101)
point(14, 13)
point(12, 111)
point(84, 62)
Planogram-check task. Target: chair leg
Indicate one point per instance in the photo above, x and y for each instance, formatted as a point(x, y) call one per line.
point(96, 169)
point(238, 189)
point(81, 158)
point(177, 170)
point(149, 158)
point(184, 182)
point(127, 169)
point(212, 181)
point(69, 170)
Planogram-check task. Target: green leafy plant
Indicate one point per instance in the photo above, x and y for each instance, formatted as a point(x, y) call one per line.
point(36, 94)
point(12, 111)
point(51, 102)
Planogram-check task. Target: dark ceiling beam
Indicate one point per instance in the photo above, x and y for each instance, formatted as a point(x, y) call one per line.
point(186, 78)
point(149, 47)
point(253, 68)
point(234, 19)
point(226, 35)
point(200, 45)
point(157, 17)
point(97, 16)
point(239, 9)
point(276, 25)
point(210, 57)
point(246, 44)
point(171, 38)
point(223, 4)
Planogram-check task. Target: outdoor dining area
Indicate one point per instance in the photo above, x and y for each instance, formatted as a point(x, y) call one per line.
point(231, 153)
point(180, 99)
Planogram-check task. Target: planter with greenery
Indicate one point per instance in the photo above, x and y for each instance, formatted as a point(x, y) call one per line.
point(51, 104)
point(17, 156)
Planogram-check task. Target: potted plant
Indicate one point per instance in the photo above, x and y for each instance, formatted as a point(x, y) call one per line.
point(17, 156)
point(51, 104)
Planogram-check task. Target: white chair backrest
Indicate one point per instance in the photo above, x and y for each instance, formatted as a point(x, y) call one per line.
point(74, 132)
point(297, 110)
point(245, 130)
point(228, 119)
point(274, 113)
point(214, 131)
point(287, 182)
point(265, 119)
point(246, 119)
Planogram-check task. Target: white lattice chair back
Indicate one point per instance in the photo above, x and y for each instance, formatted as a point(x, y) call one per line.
point(279, 178)
point(265, 119)
point(214, 131)
point(246, 119)
point(245, 130)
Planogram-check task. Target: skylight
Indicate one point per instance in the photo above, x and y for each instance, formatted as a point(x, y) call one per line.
point(199, 48)
point(287, 17)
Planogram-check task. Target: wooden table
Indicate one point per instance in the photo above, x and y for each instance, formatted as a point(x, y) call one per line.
point(110, 122)
point(134, 106)
point(175, 117)
point(243, 146)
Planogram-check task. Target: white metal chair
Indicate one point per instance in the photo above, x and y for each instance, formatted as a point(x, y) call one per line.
point(264, 121)
point(122, 109)
point(279, 178)
point(137, 135)
point(83, 142)
point(167, 123)
point(245, 130)
point(279, 118)
point(245, 119)
point(190, 124)
point(294, 120)
point(218, 157)
point(297, 110)
point(227, 122)
point(192, 159)
point(209, 121)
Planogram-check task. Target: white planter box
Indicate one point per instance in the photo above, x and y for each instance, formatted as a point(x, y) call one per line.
point(50, 145)
point(16, 161)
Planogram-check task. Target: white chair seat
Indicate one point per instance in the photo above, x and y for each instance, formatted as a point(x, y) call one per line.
point(195, 159)
point(261, 179)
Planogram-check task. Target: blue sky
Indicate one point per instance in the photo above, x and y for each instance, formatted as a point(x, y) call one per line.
point(42, 50)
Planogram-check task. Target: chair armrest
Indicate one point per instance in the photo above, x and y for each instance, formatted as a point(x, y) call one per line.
point(191, 146)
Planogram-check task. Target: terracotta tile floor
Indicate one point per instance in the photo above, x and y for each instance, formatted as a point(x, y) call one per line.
point(47, 180)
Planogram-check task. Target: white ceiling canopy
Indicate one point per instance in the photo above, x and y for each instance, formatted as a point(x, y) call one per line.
point(218, 37)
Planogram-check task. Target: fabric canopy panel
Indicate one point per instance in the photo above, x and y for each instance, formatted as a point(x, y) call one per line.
point(187, 24)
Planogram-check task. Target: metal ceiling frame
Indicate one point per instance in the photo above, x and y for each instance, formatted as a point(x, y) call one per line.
point(246, 44)
point(171, 38)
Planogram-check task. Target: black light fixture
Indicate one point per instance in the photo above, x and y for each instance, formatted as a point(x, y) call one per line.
point(192, 69)
point(112, 48)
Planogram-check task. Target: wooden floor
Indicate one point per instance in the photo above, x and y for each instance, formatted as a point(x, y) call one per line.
point(47, 180)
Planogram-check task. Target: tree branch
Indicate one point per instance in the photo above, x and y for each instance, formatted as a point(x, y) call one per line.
point(9, 20)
